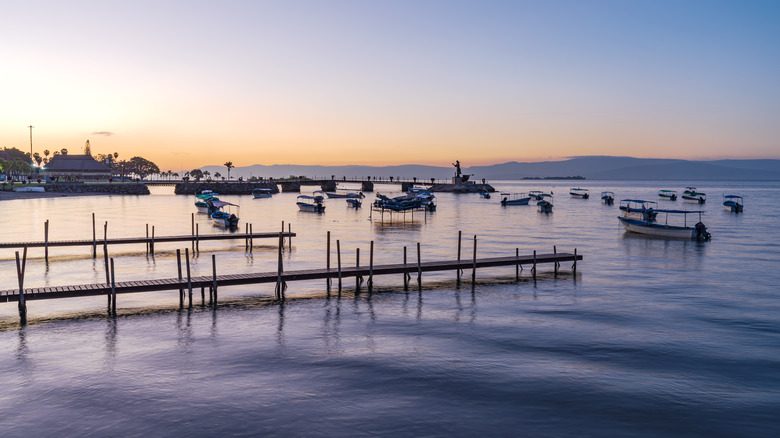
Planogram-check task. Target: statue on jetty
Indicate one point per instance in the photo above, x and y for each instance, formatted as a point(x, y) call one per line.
point(458, 174)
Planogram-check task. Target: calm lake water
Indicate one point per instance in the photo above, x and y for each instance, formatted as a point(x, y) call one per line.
point(651, 337)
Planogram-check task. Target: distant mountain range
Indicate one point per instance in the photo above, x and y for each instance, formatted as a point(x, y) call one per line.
point(590, 167)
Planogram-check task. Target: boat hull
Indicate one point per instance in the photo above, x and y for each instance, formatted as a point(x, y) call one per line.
point(733, 207)
point(313, 208)
point(693, 199)
point(261, 195)
point(655, 229)
point(522, 201)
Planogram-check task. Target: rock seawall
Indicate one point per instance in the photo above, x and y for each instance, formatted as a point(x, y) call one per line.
point(119, 189)
point(223, 188)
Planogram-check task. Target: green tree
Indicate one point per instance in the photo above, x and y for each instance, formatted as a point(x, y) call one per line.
point(217, 175)
point(14, 153)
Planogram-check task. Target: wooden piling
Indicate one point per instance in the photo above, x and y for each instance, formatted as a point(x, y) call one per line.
point(282, 234)
point(189, 274)
point(460, 239)
point(358, 279)
point(556, 264)
point(419, 266)
point(474, 262)
point(371, 267)
point(46, 240)
point(108, 268)
point(338, 258)
point(181, 289)
point(406, 274)
point(20, 268)
point(147, 239)
point(251, 238)
point(327, 260)
point(246, 239)
point(574, 266)
point(214, 277)
point(193, 231)
point(517, 266)
point(197, 238)
point(94, 238)
point(533, 270)
point(280, 269)
point(289, 234)
point(113, 289)
point(151, 244)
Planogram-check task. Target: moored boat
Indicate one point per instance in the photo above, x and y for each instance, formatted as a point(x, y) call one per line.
point(203, 203)
point(544, 206)
point(261, 193)
point(538, 195)
point(607, 198)
point(514, 199)
point(639, 209)
point(227, 218)
point(311, 203)
point(345, 193)
point(691, 195)
point(669, 195)
point(733, 203)
point(354, 203)
point(485, 194)
point(655, 228)
point(577, 192)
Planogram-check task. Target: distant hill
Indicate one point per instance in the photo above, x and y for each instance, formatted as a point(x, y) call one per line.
point(590, 167)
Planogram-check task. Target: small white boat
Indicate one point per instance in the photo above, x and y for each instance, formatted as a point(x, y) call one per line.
point(538, 195)
point(733, 203)
point(577, 192)
point(354, 203)
point(607, 198)
point(261, 193)
point(544, 206)
point(514, 199)
point(639, 209)
point(311, 203)
point(669, 195)
point(204, 202)
point(692, 196)
point(345, 193)
point(227, 218)
point(654, 227)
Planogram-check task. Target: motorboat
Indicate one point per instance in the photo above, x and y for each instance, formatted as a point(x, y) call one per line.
point(484, 194)
point(538, 195)
point(261, 193)
point(577, 192)
point(544, 206)
point(515, 199)
point(639, 209)
point(227, 218)
point(345, 193)
point(733, 203)
point(354, 202)
point(693, 196)
point(202, 202)
point(311, 203)
point(669, 195)
point(655, 227)
point(409, 202)
point(607, 198)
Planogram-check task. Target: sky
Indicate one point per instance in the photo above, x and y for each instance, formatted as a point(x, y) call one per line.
point(386, 82)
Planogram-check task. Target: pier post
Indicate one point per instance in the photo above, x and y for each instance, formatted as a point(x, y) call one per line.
point(406, 274)
point(327, 259)
point(46, 240)
point(214, 278)
point(246, 237)
point(419, 266)
point(289, 235)
point(460, 238)
point(517, 265)
point(280, 286)
point(20, 267)
point(474, 262)
point(197, 238)
point(151, 244)
point(189, 275)
point(282, 234)
point(108, 270)
point(574, 266)
point(193, 231)
point(181, 289)
point(94, 238)
point(556, 264)
point(371, 267)
point(147, 239)
point(251, 238)
point(358, 278)
point(338, 258)
point(113, 289)
point(534, 268)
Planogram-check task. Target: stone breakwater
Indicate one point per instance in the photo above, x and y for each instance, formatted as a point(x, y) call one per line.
point(223, 188)
point(119, 189)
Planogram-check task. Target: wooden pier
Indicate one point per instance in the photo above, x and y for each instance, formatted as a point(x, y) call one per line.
point(147, 240)
point(280, 277)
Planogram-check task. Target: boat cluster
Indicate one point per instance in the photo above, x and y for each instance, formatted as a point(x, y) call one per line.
point(224, 214)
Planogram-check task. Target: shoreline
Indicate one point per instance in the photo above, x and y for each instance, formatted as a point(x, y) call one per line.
point(11, 196)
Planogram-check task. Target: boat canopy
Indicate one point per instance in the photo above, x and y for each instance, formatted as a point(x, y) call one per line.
point(310, 197)
point(733, 197)
point(220, 204)
point(679, 211)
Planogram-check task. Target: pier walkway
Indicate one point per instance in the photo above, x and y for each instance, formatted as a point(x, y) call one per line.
point(215, 281)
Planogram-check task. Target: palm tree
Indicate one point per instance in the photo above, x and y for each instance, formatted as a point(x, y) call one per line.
point(229, 166)
point(217, 175)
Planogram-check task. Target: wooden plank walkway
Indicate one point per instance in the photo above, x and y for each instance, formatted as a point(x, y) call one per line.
point(136, 240)
point(83, 290)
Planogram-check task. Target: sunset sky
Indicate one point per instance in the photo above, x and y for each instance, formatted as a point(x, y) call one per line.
point(194, 83)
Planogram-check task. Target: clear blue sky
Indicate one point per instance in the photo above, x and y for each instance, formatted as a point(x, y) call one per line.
point(187, 84)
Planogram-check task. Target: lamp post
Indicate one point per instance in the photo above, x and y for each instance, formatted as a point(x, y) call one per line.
point(31, 152)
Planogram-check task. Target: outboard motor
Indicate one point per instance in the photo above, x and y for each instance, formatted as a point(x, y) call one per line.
point(503, 201)
point(701, 232)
